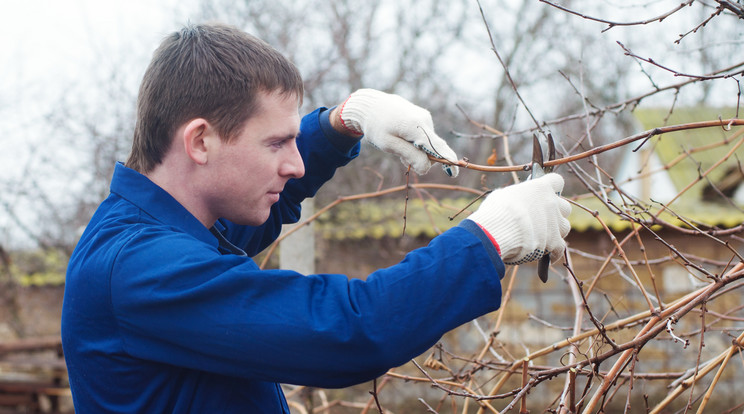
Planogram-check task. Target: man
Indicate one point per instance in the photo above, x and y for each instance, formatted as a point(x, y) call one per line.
point(164, 310)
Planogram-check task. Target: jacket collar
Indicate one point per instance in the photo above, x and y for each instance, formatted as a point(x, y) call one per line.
point(157, 203)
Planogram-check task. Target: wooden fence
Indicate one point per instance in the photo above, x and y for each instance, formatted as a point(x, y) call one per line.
point(33, 378)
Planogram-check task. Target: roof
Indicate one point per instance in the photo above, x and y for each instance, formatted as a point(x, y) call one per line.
point(683, 213)
point(684, 157)
point(376, 218)
point(704, 147)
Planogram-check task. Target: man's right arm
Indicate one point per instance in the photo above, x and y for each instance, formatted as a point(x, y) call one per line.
point(180, 303)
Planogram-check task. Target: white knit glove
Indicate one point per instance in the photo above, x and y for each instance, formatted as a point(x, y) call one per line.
point(527, 220)
point(395, 125)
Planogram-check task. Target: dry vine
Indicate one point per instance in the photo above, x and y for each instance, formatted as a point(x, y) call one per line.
point(588, 349)
point(606, 360)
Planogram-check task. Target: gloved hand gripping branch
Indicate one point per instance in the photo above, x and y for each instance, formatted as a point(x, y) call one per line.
point(395, 125)
point(527, 220)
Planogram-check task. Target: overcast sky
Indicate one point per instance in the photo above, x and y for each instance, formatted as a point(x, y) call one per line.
point(46, 42)
point(49, 48)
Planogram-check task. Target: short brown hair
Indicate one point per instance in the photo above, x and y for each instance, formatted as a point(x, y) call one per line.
point(209, 71)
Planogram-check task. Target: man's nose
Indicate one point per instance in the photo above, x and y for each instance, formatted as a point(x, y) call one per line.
point(293, 166)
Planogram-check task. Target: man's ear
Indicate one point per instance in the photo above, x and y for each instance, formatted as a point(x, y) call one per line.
point(198, 138)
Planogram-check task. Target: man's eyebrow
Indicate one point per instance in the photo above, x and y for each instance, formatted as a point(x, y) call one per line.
point(282, 137)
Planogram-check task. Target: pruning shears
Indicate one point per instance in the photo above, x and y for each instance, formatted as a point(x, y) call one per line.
point(538, 170)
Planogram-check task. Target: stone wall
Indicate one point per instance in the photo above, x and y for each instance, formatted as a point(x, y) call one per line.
point(30, 311)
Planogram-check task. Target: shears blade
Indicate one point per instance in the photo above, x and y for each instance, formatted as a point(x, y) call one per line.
point(551, 153)
point(537, 158)
point(538, 170)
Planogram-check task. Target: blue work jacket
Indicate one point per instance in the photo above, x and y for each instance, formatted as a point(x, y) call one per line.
point(162, 315)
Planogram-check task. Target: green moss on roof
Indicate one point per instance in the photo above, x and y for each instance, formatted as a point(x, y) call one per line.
point(682, 213)
point(378, 218)
point(375, 218)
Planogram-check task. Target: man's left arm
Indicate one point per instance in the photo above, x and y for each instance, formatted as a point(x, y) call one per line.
point(330, 139)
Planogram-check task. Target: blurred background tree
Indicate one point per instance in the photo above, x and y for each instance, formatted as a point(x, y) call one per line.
point(435, 53)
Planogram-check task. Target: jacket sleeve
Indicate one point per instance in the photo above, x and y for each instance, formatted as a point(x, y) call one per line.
point(323, 151)
point(189, 306)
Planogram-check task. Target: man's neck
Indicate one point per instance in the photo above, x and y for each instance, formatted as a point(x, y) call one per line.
point(178, 181)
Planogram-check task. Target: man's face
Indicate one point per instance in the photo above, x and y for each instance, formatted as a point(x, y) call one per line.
point(250, 172)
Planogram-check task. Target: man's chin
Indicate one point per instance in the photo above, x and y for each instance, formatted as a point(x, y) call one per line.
point(253, 220)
